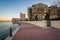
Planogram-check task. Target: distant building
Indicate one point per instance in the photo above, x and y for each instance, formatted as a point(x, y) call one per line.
point(22, 17)
point(15, 20)
point(37, 11)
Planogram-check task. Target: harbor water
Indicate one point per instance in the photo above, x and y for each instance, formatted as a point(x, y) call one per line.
point(5, 29)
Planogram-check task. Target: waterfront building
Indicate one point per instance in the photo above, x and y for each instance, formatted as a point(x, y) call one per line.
point(22, 17)
point(29, 13)
point(37, 11)
point(15, 20)
point(58, 11)
point(54, 12)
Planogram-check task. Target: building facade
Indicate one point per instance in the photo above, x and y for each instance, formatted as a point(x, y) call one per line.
point(15, 20)
point(37, 11)
point(54, 12)
point(22, 16)
point(58, 11)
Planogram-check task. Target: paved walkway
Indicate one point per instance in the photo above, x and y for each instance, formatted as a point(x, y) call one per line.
point(33, 32)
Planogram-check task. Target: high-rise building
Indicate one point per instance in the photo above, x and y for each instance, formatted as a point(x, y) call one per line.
point(22, 16)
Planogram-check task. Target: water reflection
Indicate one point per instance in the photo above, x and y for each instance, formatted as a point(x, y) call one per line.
point(5, 29)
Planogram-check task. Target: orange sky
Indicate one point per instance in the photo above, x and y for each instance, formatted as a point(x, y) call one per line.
point(5, 19)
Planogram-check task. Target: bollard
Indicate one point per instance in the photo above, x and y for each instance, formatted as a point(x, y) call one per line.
point(48, 23)
point(10, 31)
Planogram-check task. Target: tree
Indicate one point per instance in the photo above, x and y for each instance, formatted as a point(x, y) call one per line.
point(36, 18)
point(47, 17)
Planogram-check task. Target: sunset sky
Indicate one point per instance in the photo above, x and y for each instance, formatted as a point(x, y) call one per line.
point(12, 8)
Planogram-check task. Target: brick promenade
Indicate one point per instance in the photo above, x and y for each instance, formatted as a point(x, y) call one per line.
point(32, 32)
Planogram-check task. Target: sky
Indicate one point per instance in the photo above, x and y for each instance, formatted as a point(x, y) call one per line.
point(12, 8)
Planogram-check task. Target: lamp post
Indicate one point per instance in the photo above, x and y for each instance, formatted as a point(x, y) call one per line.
point(47, 17)
point(48, 20)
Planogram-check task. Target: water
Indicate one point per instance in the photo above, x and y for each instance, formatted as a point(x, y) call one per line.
point(5, 29)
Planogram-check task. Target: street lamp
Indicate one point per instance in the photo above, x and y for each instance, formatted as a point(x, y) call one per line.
point(48, 20)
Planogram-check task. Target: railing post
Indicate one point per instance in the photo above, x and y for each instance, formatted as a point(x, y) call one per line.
point(10, 31)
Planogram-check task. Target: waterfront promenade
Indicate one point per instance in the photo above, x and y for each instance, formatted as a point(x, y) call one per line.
point(29, 31)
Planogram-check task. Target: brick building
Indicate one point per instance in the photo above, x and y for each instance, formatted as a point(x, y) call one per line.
point(37, 11)
point(54, 12)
